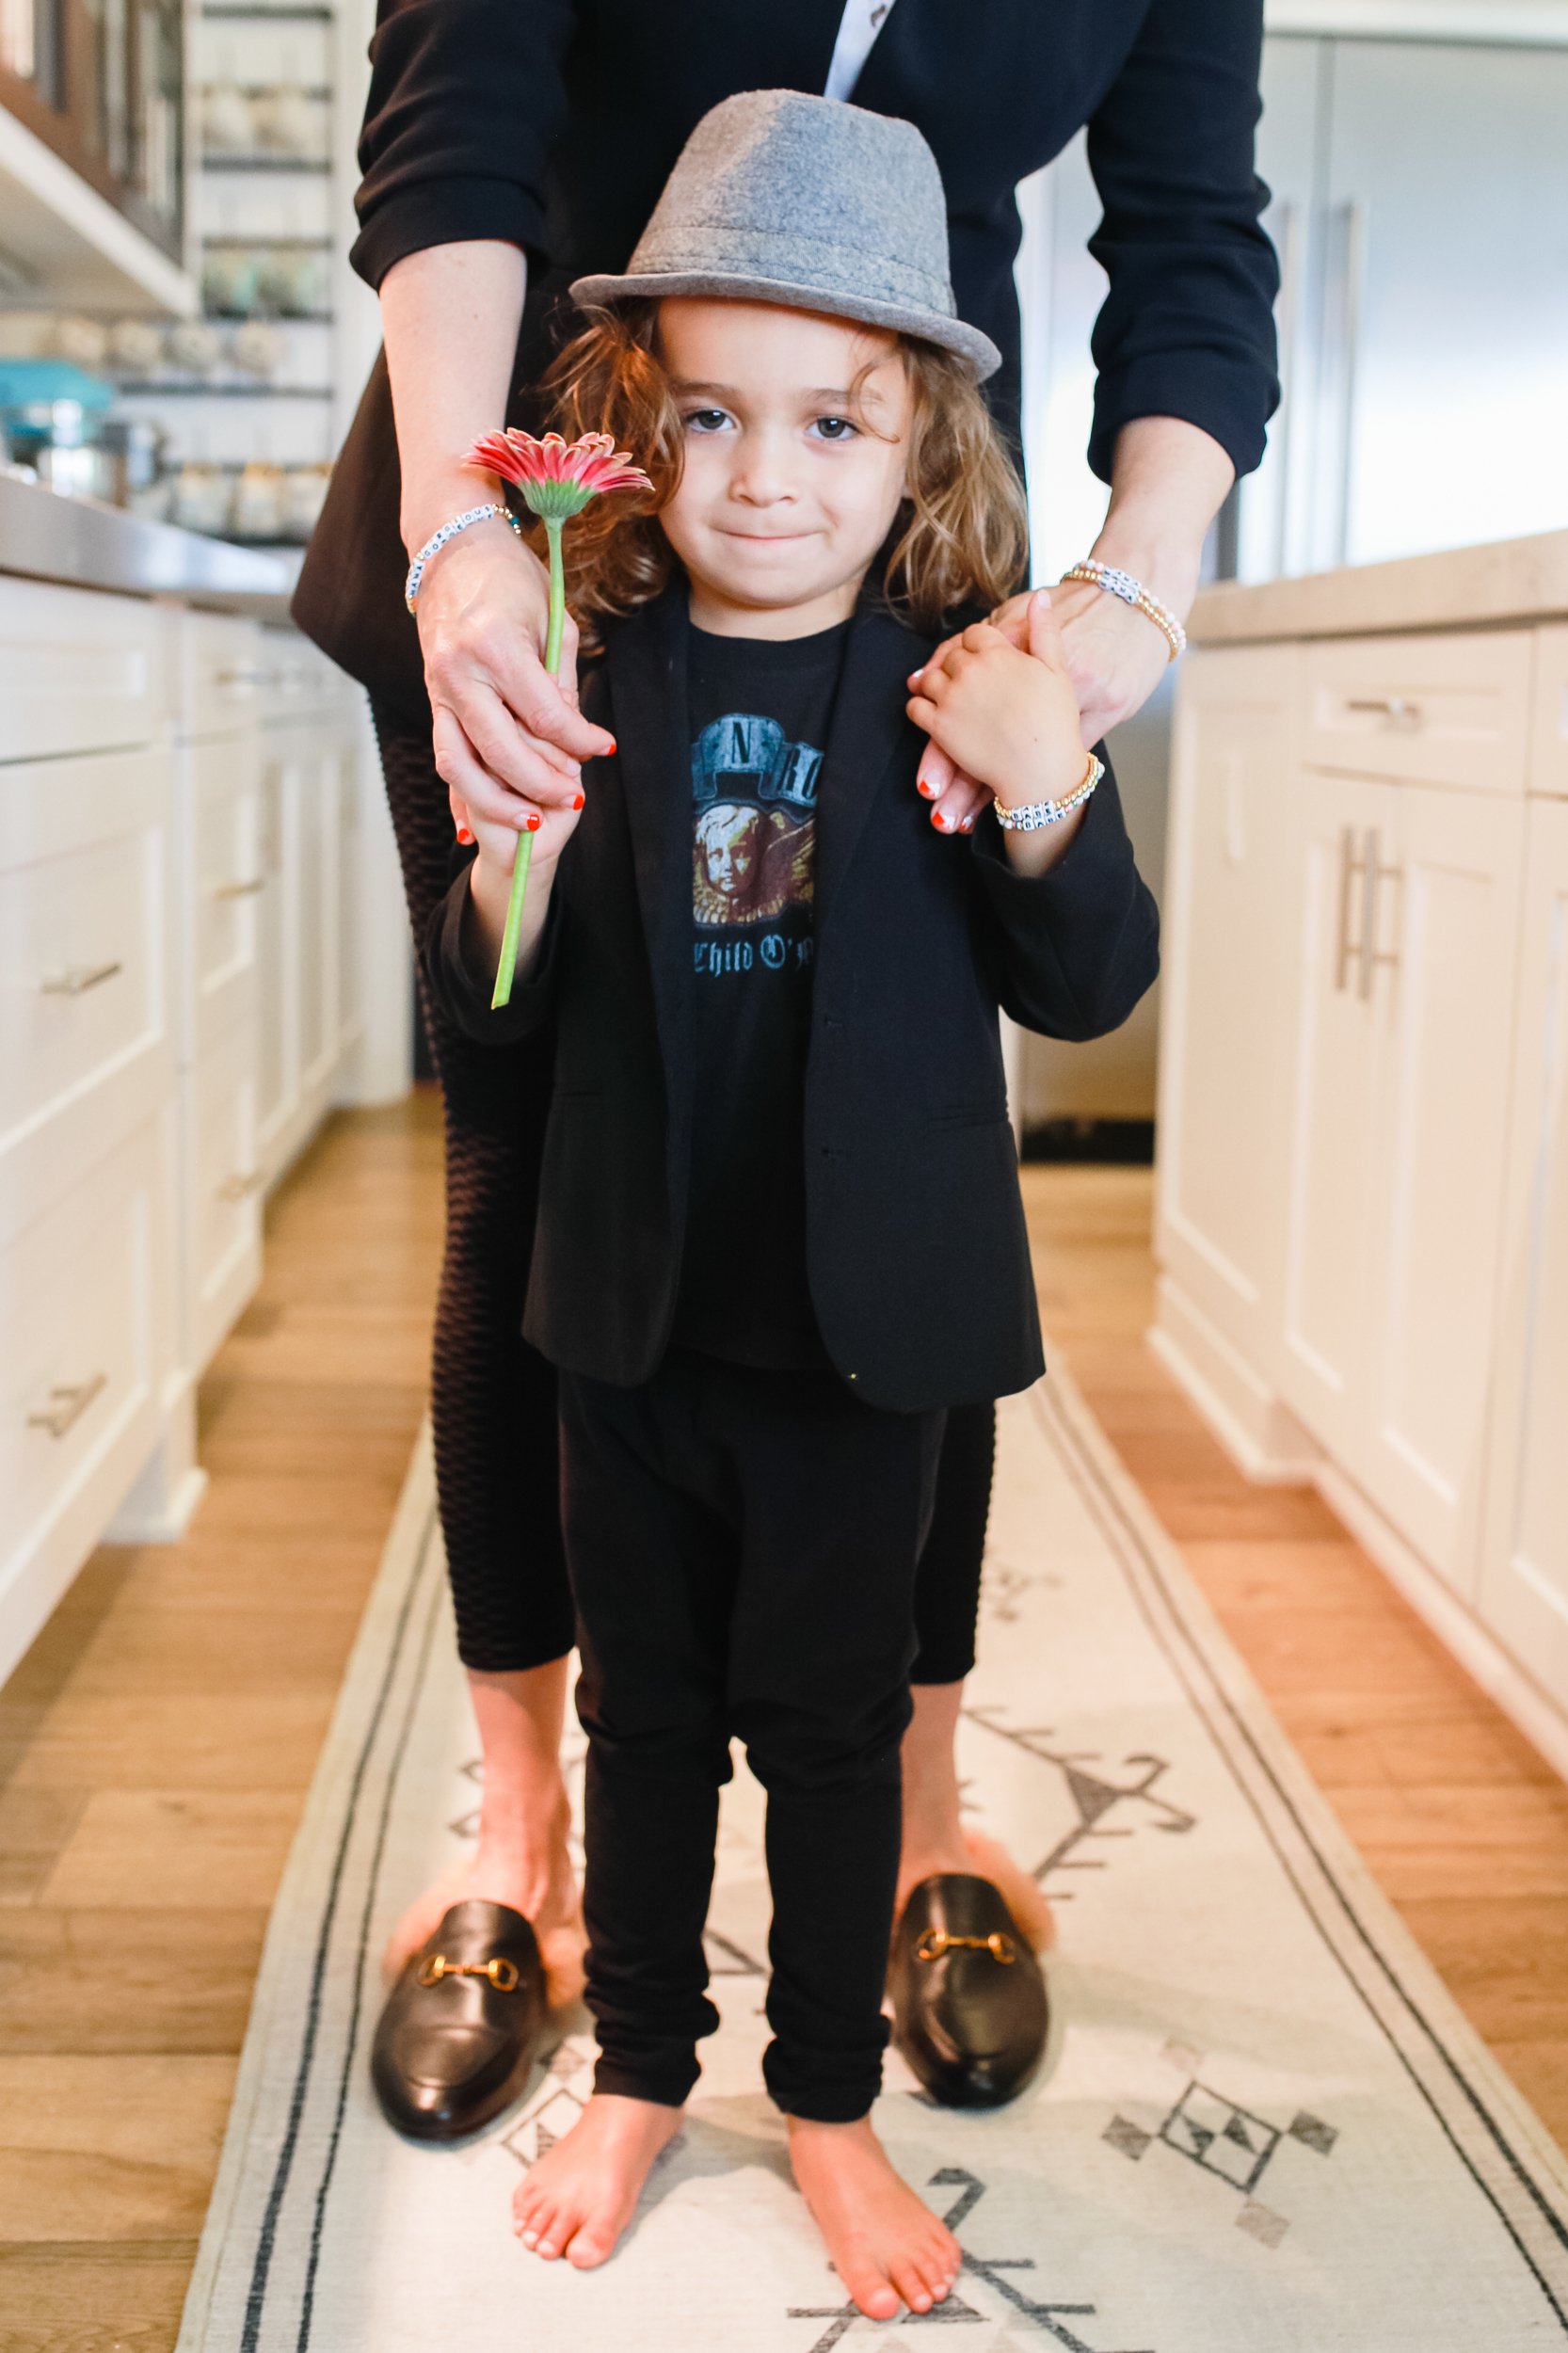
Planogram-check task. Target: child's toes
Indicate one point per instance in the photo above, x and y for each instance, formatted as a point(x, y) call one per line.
point(913, 2285)
point(870, 2287)
point(590, 2245)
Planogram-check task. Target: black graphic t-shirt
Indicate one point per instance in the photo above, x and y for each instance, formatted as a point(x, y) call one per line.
point(760, 713)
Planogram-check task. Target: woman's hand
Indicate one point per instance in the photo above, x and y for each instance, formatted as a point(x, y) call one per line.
point(509, 740)
point(1005, 715)
point(551, 822)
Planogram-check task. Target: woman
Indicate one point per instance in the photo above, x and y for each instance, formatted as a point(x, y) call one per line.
point(512, 145)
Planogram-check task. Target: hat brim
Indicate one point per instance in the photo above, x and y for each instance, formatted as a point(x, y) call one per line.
point(977, 351)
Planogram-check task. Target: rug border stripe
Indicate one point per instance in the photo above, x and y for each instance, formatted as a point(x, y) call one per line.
point(1098, 1485)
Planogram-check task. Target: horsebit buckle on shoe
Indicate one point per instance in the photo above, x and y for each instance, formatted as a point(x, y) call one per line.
point(501, 1973)
point(936, 1942)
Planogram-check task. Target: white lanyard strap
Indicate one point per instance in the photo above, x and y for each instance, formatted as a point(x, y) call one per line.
point(859, 27)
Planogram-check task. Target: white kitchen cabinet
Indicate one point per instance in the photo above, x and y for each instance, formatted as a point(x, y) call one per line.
point(87, 1344)
point(1445, 902)
point(221, 1209)
point(1524, 1582)
point(1451, 709)
point(1224, 1106)
point(1334, 1055)
point(1548, 766)
point(78, 672)
point(308, 803)
point(221, 840)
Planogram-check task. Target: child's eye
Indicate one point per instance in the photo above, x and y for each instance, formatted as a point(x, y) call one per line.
point(834, 428)
point(706, 420)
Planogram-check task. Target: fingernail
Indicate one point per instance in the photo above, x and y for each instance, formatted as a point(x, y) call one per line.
point(533, 824)
point(579, 801)
point(943, 824)
point(929, 791)
point(610, 748)
point(464, 837)
point(914, 675)
point(968, 825)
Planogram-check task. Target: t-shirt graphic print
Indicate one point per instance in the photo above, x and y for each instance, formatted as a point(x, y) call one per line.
point(753, 801)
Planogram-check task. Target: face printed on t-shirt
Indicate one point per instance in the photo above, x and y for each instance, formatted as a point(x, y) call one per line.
point(754, 795)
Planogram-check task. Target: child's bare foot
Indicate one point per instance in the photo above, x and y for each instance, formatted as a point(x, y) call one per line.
point(886, 2246)
point(579, 2196)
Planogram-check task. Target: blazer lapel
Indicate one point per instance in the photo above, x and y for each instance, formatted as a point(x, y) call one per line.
point(866, 731)
point(646, 661)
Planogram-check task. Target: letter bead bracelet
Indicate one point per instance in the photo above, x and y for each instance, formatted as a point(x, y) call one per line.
point(1031, 815)
point(449, 530)
point(1119, 583)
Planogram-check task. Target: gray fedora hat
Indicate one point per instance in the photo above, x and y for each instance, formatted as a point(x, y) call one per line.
point(780, 196)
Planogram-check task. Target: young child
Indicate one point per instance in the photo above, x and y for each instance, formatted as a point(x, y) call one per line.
point(780, 1229)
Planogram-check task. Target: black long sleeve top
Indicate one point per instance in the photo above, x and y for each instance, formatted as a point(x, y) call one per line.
point(552, 125)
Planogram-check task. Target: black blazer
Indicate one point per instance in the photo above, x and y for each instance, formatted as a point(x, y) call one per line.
point(917, 1255)
point(554, 124)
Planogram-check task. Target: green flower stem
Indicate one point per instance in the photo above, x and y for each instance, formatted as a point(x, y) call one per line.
point(502, 994)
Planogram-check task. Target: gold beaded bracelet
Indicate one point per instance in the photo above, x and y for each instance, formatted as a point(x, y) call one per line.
point(1119, 583)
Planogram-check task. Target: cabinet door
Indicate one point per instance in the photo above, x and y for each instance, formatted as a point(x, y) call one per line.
point(1444, 900)
point(1331, 1227)
point(1523, 1577)
point(1229, 969)
point(225, 883)
point(320, 786)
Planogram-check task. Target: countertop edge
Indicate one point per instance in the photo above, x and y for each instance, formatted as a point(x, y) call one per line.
point(76, 543)
point(1511, 580)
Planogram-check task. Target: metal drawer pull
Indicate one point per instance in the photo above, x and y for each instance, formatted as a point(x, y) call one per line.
point(250, 889)
point(1396, 708)
point(1345, 947)
point(71, 1403)
point(244, 673)
point(1371, 955)
point(241, 1188)
point(77, 979)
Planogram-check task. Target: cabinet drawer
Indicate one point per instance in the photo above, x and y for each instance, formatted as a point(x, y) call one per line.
point(1453, 709)
point(228, 878)
point(1548, 770)
point(299, 678)
point(223, 674)
point(223, 1198)
point(83, 1346)
point(83, 966)
point(79, 672)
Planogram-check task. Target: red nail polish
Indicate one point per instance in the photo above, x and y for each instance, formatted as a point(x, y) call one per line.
point(464, 837)
point(927, 791)
point(578, 802)
point(610, 754)
point(533, 824)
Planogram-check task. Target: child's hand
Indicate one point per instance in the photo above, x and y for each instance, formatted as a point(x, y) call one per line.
point(1008, 719)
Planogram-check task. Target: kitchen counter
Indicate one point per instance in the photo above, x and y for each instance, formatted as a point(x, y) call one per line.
point(84, 545)
point(1512, 580)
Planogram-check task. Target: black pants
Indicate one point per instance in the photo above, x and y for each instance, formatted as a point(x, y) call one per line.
point(493, 1398)
point(743, 1548)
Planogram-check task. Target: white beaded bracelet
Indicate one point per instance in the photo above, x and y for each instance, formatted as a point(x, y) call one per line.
point(1028, 816)
point(1120, 584)
point(449, 530)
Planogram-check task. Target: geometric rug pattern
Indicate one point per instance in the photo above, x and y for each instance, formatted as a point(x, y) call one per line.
point(1263, 2125)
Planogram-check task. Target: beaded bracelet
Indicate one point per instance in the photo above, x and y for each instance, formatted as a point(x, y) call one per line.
point(1119, 583)
point(1028, 816)
point(449, 530)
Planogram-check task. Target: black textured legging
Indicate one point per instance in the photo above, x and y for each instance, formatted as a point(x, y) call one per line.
point(493, 1397)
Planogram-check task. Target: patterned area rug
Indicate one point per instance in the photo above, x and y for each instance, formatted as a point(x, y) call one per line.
point(1263, 2125)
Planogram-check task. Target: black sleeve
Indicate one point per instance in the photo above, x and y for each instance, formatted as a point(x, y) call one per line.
point(462, 992)
point(464, 99)
point(1187, 328)
point(1074, 949)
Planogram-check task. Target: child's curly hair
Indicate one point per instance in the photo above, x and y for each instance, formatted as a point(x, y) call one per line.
point(961, 538)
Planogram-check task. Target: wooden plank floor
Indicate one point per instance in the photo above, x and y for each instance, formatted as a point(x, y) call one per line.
point(156, 1744)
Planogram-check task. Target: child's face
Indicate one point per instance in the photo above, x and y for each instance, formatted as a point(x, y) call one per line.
point(792, 480)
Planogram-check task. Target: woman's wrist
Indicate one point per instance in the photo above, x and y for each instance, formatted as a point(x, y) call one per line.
point(434, 499)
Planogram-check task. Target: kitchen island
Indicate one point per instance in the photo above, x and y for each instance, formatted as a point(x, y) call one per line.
point(1362, 1220)
point(191, 880)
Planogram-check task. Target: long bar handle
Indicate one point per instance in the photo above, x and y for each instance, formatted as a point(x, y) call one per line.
point(1398, 708)
point(72, 1403)
point(78, 979)
point(240, 1188)
point(1349, 867)
point(1371, 955)
point(252, 887)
